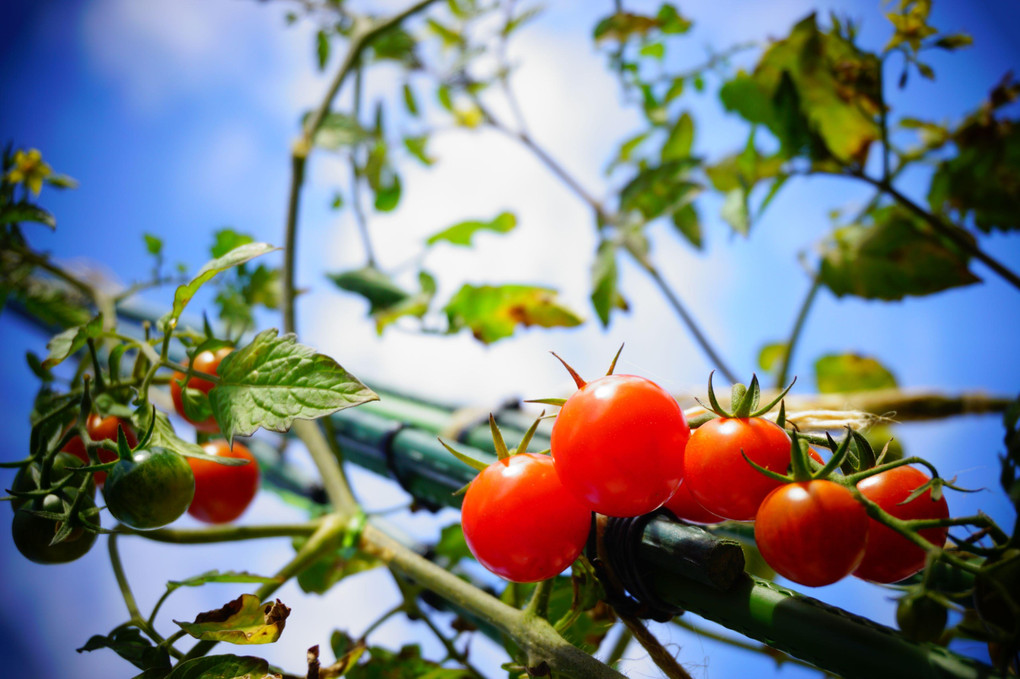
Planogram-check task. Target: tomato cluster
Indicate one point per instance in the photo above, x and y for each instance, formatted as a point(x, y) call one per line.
point(146, 486)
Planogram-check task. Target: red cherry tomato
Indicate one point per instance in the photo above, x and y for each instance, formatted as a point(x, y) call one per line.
point(222, 493)
point(519, 521)
point(207, 362)
point(889, 556)
point(618, 444)
point(718, 476)
point(812, 532)
point(685, 507)
point(101, 429)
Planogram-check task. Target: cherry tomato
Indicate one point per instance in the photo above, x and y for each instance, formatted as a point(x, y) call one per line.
point(101, 429)
point(812, 532)
point(685, 507)
point(718, 476)
point(32, 533)
point(618, 445)
point(29, 476)
point(150, 490)
point(207, 362)
point(520, 523)
point(890, 557)
point(222, 493)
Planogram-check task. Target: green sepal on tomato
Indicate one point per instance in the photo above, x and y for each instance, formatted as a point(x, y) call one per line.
point(208, 362)
point(223, 492)
point(33, 533)
point(149, 489)
point(890, 557)
point(101, 429)
point(29, 478)
point(618, 444)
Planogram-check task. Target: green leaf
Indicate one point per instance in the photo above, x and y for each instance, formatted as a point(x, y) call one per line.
point(688, 224)
point(238, 255)
point(443, 94)
point(416, 305)
point(62, 181)
point(128, 643)
point(245, 620)
point(387, 194)
point(462, 233)
point(338, 131)
point(164, 436)
point(681, 138)
point(656, 50)
point(410, 101)
point(223, 667)
point(405, 664)
point(452, 547)
point(983, 179)
point(217, 576)
point(895, 255)
point(954, 42)
point(416, 147)
point(735, 212)
point(274, 380)
point(322, 48)
point(658, 190)
point(670, 21)
point(225, 240)
point(494, 312)
point(838, 373)
point(332, 567)
point(14, 213)
point(816, 92)
point(605, 293)
point(377, 287)
point(448, 36)
point(70, 341)
point(396, 44)
point(770, 355)
point(153, 244)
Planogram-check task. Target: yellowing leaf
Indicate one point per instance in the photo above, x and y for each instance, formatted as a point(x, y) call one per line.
point(494, 312)
point(244, 620)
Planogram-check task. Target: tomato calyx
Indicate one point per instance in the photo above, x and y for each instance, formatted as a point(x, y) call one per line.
point(745, 401)
point(801, 466)
point(578, 380)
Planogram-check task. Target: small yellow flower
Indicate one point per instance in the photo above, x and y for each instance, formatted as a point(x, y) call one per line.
point(30, 170)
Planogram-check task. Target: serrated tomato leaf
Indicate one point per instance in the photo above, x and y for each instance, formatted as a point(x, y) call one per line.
point(245, 620)
point(894, 255)
point(275, 380)
point(238, 255)
point(71, 340)
point(463, 232)
point(129, 644)
point(224, 667)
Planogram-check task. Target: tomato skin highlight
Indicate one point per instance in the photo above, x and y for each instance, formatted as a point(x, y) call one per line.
point(520, 522)
point(717, 475)
point(207, 362)
point(684, 506)
point(618, 445)
point(812, 532)
point(101, 429)
point(222, 493)
point(889, 556)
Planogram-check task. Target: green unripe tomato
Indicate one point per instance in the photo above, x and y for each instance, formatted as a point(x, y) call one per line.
point(920, 617)
point(29, 476)
point(150, 490)
point(32, 533)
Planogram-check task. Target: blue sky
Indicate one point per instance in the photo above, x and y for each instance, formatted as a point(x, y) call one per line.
point(177, 117)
